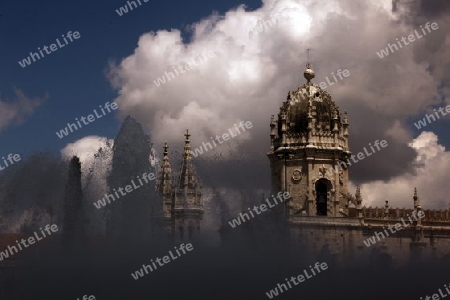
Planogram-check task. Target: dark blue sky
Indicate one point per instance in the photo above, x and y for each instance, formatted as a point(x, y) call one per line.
point(74, 76)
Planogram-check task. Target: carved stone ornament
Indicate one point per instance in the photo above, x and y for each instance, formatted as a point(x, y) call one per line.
point(322, 171)
point(297, 174)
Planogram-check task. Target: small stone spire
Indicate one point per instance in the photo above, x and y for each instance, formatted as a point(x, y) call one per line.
point(358, 193)
point(335, 123)
point(273, 125)
point(310, 123)
point(166, 147)
point(187, 174)
point(417, 205)
point(386, 209)
point(188, 181)
point(417, 208)
point(345, 131)
point(283, 128)
point(358, 199)
point(164, 185)
point(187, 136)
point(188, 205)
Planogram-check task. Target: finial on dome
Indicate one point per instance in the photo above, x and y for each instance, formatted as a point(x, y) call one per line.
point(165, 148)
point(309, 73)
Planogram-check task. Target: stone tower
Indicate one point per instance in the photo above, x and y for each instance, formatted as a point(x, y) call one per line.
point(182, 203)
point(74, 216)
point(138, 213)
point(309, 153)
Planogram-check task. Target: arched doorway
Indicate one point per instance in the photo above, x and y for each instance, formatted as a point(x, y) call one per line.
point(321, 197)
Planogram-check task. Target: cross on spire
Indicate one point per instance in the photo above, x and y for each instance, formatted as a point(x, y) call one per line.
point(308, 52)
point(187, 135)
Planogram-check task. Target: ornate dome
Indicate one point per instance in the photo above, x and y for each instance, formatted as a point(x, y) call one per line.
point(309, 100)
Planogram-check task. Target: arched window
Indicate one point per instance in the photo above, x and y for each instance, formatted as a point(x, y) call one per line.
point(321, 197)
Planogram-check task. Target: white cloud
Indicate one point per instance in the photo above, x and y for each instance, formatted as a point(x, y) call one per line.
point(251, 74)
point(85, 149)
point(15, 112)
point(430, 176)
point(249, 69)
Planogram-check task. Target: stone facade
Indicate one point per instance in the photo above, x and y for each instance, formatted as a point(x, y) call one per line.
point(309, 154)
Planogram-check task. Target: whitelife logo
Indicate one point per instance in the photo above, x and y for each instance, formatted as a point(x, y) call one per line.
point(341, 165)
point(346, 73)
point(225, 137)
point(128, 189)
point(411, 38)
point(15, 157)
point(90, 118)
point(423, 122)
point(276, 18)
point(281, 197)
point(31, 240)
point(438, 296)
point(85, 297)
point(379, 235)
point(300, 278)
point(124, 9)
point(323, 85)
point(169, 75)
point(165, 260)
point(27, 61)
